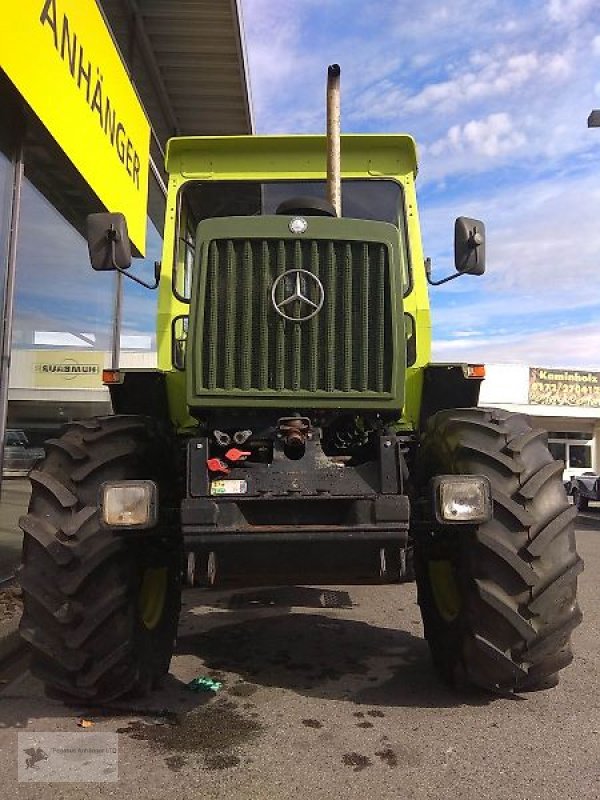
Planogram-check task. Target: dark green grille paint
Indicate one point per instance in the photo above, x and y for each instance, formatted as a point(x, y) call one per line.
point(313, 328)
point(264, 267)
point(247, 283)
point(232, 340)
point(347, 321)
point(347, 347)
point(213, 315)
point(378, 338)
point(363, 366)
point(279, 323)
point(330, 307)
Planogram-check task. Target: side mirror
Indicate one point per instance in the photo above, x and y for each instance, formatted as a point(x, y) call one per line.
point(108, 241)
point(469, 246)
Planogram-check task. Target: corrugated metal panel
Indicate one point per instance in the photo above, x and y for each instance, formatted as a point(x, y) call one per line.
point(187, 62)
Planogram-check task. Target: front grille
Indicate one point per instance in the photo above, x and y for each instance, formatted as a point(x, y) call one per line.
point(247, 345)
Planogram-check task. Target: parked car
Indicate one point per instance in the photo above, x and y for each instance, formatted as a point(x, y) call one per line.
point(19, 456)
point(583, 488)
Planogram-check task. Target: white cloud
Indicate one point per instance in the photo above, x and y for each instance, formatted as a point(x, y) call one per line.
point(493, 78)
point(542, 242)
point(492, 136)
point(569, 11)
point(573, 347)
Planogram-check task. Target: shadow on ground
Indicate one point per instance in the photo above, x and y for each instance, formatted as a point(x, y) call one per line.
point(312, 654)
point(169, 702)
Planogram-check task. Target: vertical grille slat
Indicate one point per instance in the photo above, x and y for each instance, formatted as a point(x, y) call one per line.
point(212, 291)
point(230, 297)
point(279, 366)
point(363, 299)
point(378, 337)
point(313, 328)
point(247, 346)
point(347, 319)
point(264, 265)
point(330, 312)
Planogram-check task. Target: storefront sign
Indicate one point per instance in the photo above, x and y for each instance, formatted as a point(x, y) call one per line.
point(564, 387)
point(62, 59)
point(67, 369)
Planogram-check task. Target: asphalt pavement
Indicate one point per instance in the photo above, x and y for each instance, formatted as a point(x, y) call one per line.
point(328, 692)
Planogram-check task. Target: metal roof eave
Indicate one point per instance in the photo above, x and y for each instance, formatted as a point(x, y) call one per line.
point(188, 61)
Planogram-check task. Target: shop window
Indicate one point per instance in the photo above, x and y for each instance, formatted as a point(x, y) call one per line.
point(580, 456)
point(573, 449)
point(59, 300)
point(558, 450)
point(573, 435)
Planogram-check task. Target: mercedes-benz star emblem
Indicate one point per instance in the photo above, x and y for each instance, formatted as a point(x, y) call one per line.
point(302, 292)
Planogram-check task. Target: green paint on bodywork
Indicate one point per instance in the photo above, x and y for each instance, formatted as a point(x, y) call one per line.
point(267, 158)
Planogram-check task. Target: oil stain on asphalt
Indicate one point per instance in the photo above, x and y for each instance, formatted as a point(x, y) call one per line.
point(214, 731)
point(312, 723)
point(357, 761)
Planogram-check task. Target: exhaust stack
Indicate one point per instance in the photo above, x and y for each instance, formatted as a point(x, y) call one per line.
point(334, 181)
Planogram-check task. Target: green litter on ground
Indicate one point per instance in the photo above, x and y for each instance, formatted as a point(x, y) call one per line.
point(204, 685)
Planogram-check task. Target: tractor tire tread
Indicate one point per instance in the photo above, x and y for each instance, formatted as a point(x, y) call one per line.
point(520, 582)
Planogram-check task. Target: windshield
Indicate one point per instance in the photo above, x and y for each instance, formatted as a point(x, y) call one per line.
point(361, 199)
point(369, 199)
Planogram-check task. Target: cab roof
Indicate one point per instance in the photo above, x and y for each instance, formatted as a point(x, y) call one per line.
point(291, 157)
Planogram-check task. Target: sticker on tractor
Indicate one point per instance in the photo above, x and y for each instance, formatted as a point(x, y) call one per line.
point(229, 487)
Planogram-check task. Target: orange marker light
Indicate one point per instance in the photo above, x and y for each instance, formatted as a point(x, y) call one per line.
point(110, 376)
point(474, 371)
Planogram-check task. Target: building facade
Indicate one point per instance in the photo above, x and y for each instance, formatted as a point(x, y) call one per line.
point(83, 128)
point(564, 402)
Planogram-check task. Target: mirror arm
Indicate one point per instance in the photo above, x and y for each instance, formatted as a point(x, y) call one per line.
point(112, 236)
point(443, 280)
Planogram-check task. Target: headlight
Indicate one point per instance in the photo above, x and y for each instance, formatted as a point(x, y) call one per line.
point(462, 498)
point(129, 504)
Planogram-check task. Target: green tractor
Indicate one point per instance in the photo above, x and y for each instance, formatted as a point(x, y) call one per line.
point(295, 431)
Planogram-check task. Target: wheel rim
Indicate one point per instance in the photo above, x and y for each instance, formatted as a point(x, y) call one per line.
point(212, 567)
point(445, 589)
point(191, 569)
point(152, 596)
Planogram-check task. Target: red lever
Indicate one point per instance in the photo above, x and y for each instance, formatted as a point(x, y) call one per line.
point(234, 455)
point(216, 465)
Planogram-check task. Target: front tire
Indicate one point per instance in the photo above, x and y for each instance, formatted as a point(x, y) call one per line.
point(100, 607)
point(498, 600)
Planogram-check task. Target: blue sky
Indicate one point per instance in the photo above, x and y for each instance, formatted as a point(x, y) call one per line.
point(497, 95)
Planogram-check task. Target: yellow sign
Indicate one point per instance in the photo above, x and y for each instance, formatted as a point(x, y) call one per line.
point(62, 59)
point(68, 369)
point(564, 387)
